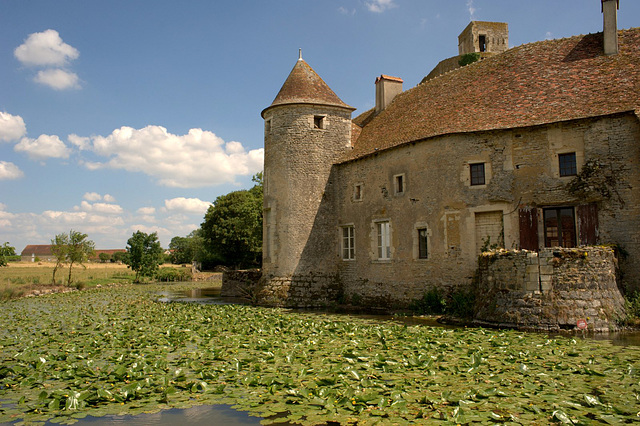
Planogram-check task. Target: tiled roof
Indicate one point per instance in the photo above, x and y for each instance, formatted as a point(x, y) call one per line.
point(304, 86)
point(37, 249)
point(533, 84)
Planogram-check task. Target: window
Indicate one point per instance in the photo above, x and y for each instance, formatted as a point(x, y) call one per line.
point(482, 42)
point(423, 252)
point(477, 173)
point(357, 192)
point(267, 126)
point(384, 241)
point(348, 243)
point(398, 184)
point(559, 227)
point(567, 164)
point(318, 121)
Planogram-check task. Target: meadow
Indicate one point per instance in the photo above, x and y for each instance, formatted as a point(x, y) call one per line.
point(116, 350)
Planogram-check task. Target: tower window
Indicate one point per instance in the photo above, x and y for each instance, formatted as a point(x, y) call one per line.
point(267, 126)
point(477, 174)
point(567, 163)
point(482, 41)
point(318, 121)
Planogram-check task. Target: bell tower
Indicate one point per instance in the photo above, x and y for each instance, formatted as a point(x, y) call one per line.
point(306, 129)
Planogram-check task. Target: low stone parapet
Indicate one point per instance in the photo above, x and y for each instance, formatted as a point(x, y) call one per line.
point(553, 289)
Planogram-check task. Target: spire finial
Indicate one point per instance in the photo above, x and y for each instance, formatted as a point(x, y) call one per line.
point(300, 54)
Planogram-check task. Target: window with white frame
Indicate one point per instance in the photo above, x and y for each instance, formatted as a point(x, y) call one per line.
point(384, 240)
point(348, 246)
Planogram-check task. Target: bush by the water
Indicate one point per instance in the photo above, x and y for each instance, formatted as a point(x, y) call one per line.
point(173, 275)
point(459, 303)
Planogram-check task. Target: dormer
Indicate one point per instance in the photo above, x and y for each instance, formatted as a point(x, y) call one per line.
point(481, 37)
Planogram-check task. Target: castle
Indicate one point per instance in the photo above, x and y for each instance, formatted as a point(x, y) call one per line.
point(530, 147)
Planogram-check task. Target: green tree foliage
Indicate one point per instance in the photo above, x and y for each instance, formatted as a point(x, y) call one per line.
point(104, 257)
point(118, 256)
point(232, 227)
point(144, 254)
point(187, 249)
point(59, 248)
point(5, 251)
point(469, 58)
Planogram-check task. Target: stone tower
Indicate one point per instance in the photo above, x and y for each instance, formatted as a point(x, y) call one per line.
point(306, 129)
point(481, 37)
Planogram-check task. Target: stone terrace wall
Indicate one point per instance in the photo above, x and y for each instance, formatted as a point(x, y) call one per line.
point(549, 290)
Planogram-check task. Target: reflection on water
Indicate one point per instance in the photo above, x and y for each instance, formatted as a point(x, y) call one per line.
point(199, 295)
point(214, 415)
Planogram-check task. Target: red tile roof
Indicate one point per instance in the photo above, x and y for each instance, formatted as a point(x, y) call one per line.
point(37, 249)
point(533, 84)
point(304, 86)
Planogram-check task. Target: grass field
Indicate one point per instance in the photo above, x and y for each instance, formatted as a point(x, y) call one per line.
point(21, 278)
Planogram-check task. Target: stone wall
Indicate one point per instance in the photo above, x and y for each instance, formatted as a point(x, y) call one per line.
point(239, 284)
point(300, 291)
point(549, 290)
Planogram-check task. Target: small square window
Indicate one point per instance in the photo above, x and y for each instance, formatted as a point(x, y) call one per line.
point(348, 243)
point(318, 122)
point(477, 173)
point(567, 163)
point(357, 192)
point(422, 243)
point(399, 184)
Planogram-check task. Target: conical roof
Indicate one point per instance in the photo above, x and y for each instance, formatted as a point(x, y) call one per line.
point(304, 86)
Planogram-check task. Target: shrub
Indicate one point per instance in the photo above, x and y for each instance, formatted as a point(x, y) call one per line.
point(632, 306)
point(431, 303)
point(173, 275)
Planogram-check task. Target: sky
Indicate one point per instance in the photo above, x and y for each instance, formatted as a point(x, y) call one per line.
point(121, 115)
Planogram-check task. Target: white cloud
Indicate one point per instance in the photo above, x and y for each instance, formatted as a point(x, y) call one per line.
point(345, 11)
point(44, 147)
point(379, 6)
point(9, 171)
point(187, 205)
point(471, 9)
point(5, 217)
point(104, 208)
point(548, 35)
point(109, 198)
point(199, 158)
point(45, 49)
point(92, 196)
point(12, 127)
point(81, 142)
point(58, 79)
point(147, 210)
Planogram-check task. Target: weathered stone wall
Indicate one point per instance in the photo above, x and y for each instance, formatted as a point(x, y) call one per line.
point(239, 284)
point(301, 291)
point(521, 167)
point(549, 290)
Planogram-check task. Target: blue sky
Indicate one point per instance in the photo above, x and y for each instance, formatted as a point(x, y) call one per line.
point(123, 115)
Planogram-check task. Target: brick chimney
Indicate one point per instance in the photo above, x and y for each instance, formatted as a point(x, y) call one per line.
point(387, 88)
point(610, 26)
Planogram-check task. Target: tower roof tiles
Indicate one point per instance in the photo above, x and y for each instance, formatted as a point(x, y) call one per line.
point(304, 86)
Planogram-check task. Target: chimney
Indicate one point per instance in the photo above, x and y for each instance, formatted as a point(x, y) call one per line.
point(387, 88)
point(610, 26)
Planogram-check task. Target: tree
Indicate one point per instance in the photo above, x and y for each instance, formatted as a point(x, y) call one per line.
point(80, 248)
point(118, 256)
point(59, 248)
point(232, 227)
point(144, 254)
point(181, 251)
point(5, 251)
point(104, 257)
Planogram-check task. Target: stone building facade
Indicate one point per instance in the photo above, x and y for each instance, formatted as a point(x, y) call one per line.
point(534, 147)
